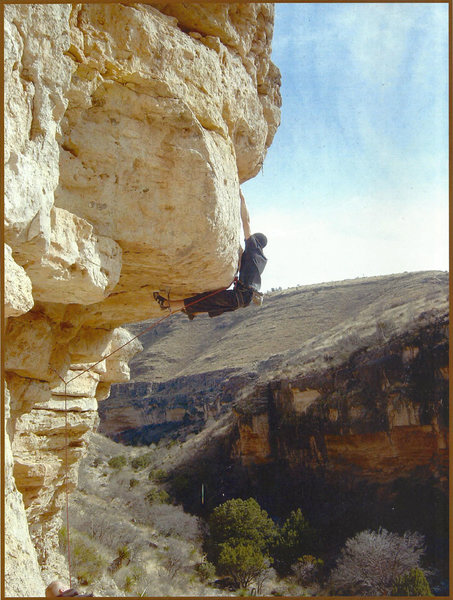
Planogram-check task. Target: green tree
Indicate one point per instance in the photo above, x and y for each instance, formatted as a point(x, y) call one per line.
point(157, 496)
point(205, 571)
point(158, 475)
point(238, 521)
point(117, 462)
point(295, 539)
point(413, 583)
point(244, 562)
point(141, 462)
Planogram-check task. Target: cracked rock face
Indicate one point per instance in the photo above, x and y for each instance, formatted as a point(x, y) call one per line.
point(128, 130)
point(25, 577)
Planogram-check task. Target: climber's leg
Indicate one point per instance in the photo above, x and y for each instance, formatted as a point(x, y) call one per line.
point(213, 303)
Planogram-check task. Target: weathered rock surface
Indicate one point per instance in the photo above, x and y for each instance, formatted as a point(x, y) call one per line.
point(37, 77)
point(19, 550)
point(18, 298)
point(144, 412)
point(78, 267)
point(127, 134)
point(170, 123)
point(382, 414)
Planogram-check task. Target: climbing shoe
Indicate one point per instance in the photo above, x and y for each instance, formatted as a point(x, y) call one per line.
point(161, 301)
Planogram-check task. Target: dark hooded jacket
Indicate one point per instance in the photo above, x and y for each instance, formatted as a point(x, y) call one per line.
point(253, 261)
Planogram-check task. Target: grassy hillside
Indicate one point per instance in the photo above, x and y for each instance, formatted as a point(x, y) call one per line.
point(286, 323)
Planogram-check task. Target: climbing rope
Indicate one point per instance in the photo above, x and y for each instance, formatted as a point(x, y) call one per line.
point(67, 479)
point(66, 469)
point(155, 324)
point(66, 466)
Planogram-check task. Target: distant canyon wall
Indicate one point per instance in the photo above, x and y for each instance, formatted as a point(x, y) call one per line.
point(128, 130)
point(379, 416)
point(141, 412)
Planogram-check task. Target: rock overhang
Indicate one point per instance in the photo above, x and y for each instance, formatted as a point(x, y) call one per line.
point(127, 134)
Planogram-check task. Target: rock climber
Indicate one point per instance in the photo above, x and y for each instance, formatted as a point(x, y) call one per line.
point(245, 288)
point(57, 590)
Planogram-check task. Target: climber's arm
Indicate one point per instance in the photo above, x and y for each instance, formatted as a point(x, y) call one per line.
point(245, 217)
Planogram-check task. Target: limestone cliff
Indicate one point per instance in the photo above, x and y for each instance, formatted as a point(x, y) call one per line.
point(361, 444)
point(128, 129)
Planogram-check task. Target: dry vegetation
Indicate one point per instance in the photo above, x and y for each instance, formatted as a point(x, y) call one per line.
point(126, 539)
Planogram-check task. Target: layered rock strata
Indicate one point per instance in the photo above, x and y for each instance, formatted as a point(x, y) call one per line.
point(383, 414)
point(142, 413)
point(127, 132)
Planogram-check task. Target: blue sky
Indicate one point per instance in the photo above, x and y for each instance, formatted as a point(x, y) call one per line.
point(356, 180)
